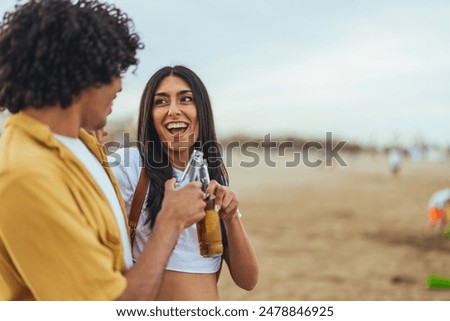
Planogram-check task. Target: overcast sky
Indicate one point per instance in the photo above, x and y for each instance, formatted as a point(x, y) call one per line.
point(368, 71)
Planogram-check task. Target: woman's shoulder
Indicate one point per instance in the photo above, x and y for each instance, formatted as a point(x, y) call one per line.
point(125, 156)
point(126, 162)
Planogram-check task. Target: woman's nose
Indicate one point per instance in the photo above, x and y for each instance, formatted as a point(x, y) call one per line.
point(174, 109)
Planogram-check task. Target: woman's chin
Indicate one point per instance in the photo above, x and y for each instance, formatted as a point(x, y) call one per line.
point(179, 147)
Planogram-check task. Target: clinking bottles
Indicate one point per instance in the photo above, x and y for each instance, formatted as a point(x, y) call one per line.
point(208, 229)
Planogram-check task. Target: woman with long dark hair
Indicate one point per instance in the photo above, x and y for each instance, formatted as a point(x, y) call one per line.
point(175, 117)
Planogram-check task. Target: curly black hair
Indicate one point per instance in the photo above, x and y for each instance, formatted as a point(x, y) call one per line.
point(51, 50)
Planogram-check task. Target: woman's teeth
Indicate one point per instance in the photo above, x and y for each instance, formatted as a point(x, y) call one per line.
point(175, 128)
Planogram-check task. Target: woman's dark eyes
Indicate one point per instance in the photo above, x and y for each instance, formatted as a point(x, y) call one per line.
point(161, 102)
point(186, 99)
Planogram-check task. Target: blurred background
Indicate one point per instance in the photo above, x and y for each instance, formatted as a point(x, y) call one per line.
point(375, 74)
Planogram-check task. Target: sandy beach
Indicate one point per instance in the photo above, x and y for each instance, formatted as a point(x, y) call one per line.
point(340, 233)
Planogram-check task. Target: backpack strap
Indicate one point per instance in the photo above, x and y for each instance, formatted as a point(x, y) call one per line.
point(137, 203)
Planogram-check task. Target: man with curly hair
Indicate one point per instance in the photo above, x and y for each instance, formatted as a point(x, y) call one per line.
point(63, 232)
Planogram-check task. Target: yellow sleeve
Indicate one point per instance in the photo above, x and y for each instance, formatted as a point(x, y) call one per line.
point(55, 251)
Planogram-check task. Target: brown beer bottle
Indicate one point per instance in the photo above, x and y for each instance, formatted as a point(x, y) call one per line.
point(208, 229)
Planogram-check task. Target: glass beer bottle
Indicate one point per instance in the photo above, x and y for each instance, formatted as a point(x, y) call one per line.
point(208, 229)
point(192, 169)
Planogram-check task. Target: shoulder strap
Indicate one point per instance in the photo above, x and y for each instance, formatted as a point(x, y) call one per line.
point(136, 204)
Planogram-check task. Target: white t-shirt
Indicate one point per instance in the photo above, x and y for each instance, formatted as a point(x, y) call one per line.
point(94, 167)
point(126, 166)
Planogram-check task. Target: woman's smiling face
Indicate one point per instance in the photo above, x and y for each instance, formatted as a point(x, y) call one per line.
point(175, 115)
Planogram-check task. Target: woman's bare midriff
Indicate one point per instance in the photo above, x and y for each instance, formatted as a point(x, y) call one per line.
point(180, 286)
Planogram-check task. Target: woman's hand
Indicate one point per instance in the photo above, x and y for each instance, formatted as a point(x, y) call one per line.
point(226, 202)
point(98, 134)
point(239, 254)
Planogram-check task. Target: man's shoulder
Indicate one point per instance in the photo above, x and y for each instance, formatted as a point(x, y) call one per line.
point(29, 160)
point(20, 173)
point(24, 160)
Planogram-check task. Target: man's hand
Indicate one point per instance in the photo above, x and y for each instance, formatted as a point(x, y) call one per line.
point(185, 206)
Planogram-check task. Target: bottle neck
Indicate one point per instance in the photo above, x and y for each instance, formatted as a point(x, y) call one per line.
point(204, 175)
point(192, 170)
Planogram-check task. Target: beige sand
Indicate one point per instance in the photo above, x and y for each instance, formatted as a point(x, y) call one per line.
point(342, 233)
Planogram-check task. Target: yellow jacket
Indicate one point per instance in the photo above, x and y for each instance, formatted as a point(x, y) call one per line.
point(58, 236)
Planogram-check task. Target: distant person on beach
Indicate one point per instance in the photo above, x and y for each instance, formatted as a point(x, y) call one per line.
point(438, 211)
point(395, 158)
point(63, 232)
point(176, 117)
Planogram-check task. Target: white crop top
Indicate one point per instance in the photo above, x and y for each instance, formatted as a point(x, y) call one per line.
point(126, 166)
